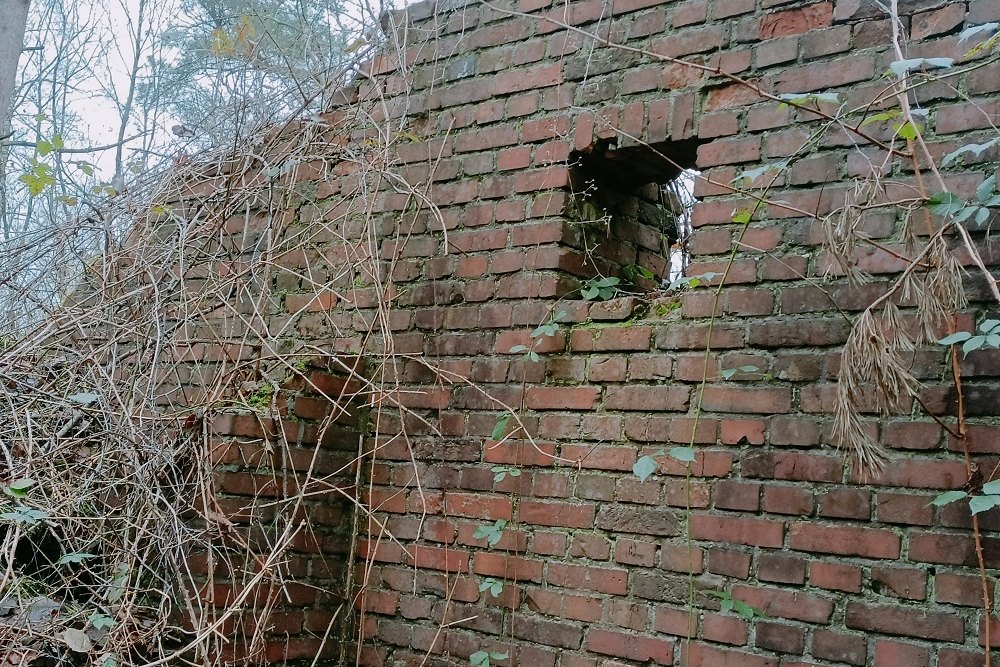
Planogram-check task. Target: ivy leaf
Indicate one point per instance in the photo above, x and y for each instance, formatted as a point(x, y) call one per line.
point(948, 497)
point(500, 427)
point(682, 454)
point(979, 504)
point(957, 337)
point(644, 467)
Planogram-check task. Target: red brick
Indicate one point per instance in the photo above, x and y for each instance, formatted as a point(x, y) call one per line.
point(631, 647)
point(910, 622)
point(556, 514)
point(796, 21)
point(562, 398)
point(602, 580)
point(834, 576)
point(844, 540)
point(732, 530)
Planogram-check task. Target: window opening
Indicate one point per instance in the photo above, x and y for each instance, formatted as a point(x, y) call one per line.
point(644, 195)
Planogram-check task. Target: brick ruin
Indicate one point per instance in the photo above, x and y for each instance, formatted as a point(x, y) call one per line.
point(539, 150)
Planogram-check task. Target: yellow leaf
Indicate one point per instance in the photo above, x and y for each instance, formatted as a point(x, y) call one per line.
point(222, 43)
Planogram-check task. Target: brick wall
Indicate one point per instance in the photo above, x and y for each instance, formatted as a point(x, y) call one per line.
point(599, 568)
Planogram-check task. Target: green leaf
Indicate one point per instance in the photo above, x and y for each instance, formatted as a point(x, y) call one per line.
point(992, 488)
point(802, 99)
point(751, 175)
point(979, 504)
point(748, 369)
point(85, 167)
point(644, 467)
point(948, 497)
point(988, 326)
point(44, 147)
point(957, 337)
point(25, 516)
point(547, 329)
point(492, 533)
point(984, 29)
point(945, 204)
point(518, 348)
point(66, 200)
point(986, 189)
point(101, 621)
point(40, 117)
point(500, 427)
point(589, 292)
point(901, 67)
point(982, 215)
point(57, 142)
point(908, 130)
point(879, 117)
point(976, 149)
point(494, 586)
point(480, 659)
point(742, 216)
point(73, 558)
point(973, 344)
point(21, 484)
point(683, 454)
point(727, 373)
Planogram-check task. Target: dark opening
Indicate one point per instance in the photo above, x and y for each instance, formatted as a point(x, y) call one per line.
point(644, 195)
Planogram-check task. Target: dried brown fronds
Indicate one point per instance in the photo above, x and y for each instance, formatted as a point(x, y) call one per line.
point(873, 375)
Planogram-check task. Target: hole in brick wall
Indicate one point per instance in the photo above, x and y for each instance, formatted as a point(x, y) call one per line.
point(644, 196)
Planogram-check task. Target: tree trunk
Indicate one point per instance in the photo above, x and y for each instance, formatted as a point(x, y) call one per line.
point(13, 17)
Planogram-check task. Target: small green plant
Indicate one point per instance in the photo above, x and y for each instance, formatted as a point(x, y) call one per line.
point(261, 397)
point(500, 472)
point(492, 533)
point(634, 272)
point(690, 282)
point(600, 289)
point(959, 210)
point(548, 329)
point(494, 586)
point(729, 603)
point(989, 498)
point(483, 658)
point(647, 465)
point(988, 336)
